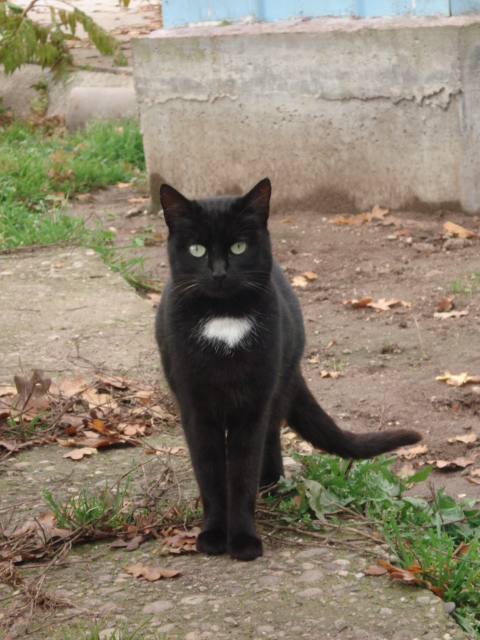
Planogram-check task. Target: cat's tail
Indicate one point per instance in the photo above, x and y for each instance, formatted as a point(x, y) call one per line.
point(311, 422)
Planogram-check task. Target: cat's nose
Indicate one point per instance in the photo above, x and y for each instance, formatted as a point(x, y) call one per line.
point(219, 271)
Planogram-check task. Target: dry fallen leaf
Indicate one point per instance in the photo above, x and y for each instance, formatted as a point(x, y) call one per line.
point(310, 275)
point(78, 454)
point(299, 281)
point(329, 374)
point(377, 213)
point(32, 394)
point(178, 541)
point(152, 574)
point(382, 304)
point(375, 570)
point(466, 439)
point(451, 465)
point(444, 304)
point(408, 453)
point(358, 303)
point(458, 380)
point(444, 315)
point(475, 472)
point(409, 576)
point(459, 231)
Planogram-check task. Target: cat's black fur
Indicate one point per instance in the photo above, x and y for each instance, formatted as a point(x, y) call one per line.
point(233, 397)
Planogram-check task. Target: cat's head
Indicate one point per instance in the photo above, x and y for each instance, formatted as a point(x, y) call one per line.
point(219, 247)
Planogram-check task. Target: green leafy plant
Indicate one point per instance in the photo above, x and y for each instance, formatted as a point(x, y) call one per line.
point(23, 40)
point(437, 540)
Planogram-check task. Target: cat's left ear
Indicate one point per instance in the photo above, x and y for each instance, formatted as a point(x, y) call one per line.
point(174, 205)
point(258, 199)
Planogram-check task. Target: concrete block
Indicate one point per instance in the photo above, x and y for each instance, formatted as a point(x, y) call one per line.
point(339, 113)
point(87, 103)
point(17, 89)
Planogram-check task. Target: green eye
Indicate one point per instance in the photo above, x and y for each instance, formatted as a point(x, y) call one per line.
point(238, 248)
point(197, 250)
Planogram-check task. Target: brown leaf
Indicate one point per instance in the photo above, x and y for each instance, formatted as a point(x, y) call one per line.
point(475, 472)
point(9, 445)
point(473, 480)
point(70, 387)
point(451, 465)
point(384, 305)
point(444, 304)
point(134, 543)
point(408, 453)
point(375, 570)
point(458, 380)
point(466, 439)
point(96, 399)
point(78, 454)
point(179, 541)
point(152, 574)
point(342, 220)
point(99, 426)
point(329, 374)
point(310, 275)
point(457, 230)
point(445, 315)
point(358, 303)
point(32, 393)
point(378, 213)
point(118, 382)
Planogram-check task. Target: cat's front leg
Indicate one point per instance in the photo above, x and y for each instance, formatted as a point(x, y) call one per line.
point(206, 442)
point(244, 452)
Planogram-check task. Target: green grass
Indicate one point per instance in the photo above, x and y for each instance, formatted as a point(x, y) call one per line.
point(42, 166)
point(439, 538)
point(102, 511)
point(466, 284)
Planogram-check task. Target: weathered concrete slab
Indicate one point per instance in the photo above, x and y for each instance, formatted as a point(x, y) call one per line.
point(60, 308)
point(332, 110)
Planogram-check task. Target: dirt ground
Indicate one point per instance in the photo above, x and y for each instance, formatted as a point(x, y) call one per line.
point(387, 361)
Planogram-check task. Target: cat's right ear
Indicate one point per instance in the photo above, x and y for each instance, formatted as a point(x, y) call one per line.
point(258, 199)
point(174, 205)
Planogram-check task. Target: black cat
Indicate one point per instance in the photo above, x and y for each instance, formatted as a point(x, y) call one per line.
point(231, 338)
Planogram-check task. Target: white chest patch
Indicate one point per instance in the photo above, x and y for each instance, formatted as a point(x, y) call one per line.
point(226, 331)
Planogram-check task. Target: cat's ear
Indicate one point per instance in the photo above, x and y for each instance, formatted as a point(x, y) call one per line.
point(174, 205)
point(258, 199)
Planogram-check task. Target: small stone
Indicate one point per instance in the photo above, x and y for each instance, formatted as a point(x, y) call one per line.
point(385, 611)
point(454, 244)
point(313, 575)
point(423, 600)
point(423, 247)
point(449, 608)
point(342, 562)
point(106, 633)
point(157, 607)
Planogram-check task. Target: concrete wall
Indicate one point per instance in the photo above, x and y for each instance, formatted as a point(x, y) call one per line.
point(337, 112)
point(183, 12)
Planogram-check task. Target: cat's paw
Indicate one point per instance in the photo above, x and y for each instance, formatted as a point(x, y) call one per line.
point(245, 547)
point(213, 542)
